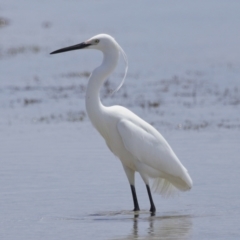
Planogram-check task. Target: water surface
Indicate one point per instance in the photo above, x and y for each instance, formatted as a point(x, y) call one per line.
point(58, 180)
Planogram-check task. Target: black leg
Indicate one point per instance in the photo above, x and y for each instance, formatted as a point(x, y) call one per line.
point(152, 209)
point(135, 201)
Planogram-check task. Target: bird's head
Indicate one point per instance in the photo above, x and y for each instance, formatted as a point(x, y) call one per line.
point(102, 42)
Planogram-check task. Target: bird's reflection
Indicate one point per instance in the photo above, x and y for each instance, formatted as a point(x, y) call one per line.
point(170, 226)
point(135, 225)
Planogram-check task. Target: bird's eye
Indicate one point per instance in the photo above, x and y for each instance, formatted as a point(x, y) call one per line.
point(97, 41)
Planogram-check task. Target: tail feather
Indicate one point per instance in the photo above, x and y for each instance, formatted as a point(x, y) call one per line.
point(169, 185)
point(164, 187)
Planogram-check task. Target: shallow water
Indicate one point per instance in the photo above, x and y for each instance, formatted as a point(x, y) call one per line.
point(58, 180)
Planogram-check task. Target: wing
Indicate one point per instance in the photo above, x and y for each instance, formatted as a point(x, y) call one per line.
point(147, 145)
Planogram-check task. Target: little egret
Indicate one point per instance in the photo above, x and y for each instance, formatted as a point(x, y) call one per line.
point(139, 146)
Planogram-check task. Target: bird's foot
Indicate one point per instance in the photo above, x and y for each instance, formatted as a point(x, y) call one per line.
point(152, 209)
point(136, 209)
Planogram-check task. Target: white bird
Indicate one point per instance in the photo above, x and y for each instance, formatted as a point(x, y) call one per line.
point(138, 145)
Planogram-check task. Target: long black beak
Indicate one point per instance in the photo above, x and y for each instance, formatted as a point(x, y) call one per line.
point(71, 48)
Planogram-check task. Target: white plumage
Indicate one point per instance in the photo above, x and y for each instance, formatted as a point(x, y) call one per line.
point(139, 146)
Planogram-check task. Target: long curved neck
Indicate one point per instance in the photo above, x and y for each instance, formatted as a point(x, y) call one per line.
point(94, 106)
